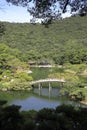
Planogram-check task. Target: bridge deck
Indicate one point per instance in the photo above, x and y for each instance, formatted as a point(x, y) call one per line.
point(47, 80)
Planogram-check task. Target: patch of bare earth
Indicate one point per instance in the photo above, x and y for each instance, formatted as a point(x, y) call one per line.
point(84, 72)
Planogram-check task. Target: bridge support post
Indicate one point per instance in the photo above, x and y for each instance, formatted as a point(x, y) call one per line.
point(39, 87)
point(50, 87)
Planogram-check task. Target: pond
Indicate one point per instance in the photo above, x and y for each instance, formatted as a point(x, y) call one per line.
point(34, 100)
point(38, 99)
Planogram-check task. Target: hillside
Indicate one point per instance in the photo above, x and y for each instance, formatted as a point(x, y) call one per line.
point(63, 41)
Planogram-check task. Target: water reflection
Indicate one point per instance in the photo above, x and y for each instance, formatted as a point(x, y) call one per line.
point(41, 98)
point(36, 103)
point(36, 100)
point(53, 92)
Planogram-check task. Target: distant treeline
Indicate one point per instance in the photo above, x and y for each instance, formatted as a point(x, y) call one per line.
point(64, 41)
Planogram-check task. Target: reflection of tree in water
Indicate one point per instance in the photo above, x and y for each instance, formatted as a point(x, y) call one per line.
point(11, 95)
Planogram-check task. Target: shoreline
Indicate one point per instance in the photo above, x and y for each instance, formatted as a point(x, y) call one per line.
point(84, 102)
point(45, 66)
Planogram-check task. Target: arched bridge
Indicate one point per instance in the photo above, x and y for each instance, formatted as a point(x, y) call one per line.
point(39, 82)
point(47, 80)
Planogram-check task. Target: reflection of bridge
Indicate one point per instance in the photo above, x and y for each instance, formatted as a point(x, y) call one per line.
point(39, 82)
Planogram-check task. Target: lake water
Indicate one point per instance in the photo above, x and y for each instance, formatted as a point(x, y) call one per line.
point(40, 99)
point(36, 100)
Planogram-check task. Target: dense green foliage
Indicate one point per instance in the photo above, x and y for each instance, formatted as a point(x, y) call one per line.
point(74, 75)
point(61, 118)
point(13, 72)
point(2, 28)
point(63, 41)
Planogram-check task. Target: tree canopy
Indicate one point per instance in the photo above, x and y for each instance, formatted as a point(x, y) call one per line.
point(49, 45)
point(52, 8)
point(2, 28)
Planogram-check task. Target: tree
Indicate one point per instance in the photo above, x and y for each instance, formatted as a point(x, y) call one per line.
point(10, 118)
point(52, 9)
point(2, 28)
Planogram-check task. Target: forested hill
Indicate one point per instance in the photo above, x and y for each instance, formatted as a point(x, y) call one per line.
point(62, 41)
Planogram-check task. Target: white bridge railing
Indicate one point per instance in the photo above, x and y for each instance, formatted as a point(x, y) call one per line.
point(47, 80)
